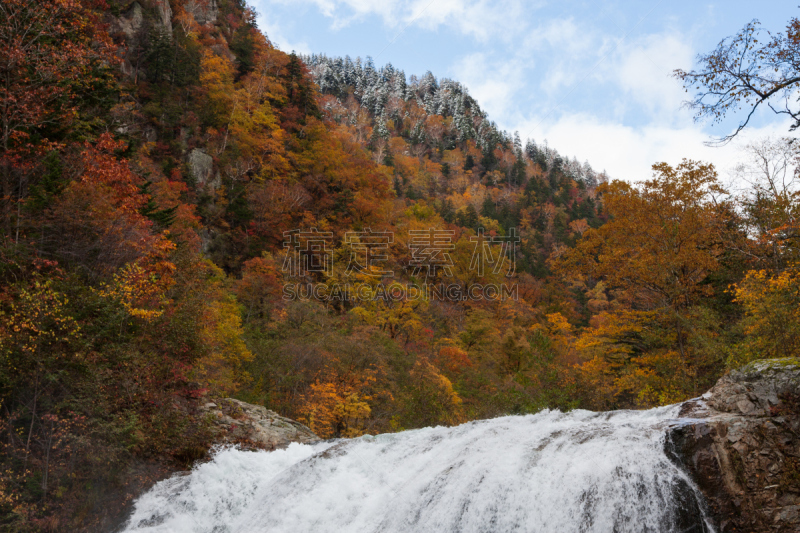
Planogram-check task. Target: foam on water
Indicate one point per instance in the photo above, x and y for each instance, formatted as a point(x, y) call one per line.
point(549, 472)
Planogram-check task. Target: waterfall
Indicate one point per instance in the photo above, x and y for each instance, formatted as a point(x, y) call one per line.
point(549, 472)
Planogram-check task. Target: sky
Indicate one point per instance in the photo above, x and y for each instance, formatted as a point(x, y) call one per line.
point(591, 78)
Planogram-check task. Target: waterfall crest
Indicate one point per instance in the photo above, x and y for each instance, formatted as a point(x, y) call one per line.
point(549, 472)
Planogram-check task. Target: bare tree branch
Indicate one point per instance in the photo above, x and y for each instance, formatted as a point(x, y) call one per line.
point(745, 71)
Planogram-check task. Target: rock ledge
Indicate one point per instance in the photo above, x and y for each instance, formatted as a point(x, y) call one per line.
point(740, 443)
point(253, 425)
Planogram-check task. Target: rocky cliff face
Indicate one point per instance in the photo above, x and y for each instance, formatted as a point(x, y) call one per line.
point(740, 442)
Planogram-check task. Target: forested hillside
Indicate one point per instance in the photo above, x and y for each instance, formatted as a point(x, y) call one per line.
point(442, 148)
point(187, 212)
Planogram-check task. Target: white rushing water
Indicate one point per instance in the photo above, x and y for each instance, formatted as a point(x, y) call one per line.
point(550, 472)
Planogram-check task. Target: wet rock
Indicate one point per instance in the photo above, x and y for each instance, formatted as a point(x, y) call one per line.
point(689, 515)
point(253, 425)
point(739, 444)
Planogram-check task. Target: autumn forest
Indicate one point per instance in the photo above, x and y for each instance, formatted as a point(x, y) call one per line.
point(167, 174)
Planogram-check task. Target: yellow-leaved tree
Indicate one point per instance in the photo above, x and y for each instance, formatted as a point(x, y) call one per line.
point(221, 334)
point(772, 320)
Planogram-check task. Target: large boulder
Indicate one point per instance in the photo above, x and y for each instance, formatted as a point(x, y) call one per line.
point(740, 443)
point(256, 426)
point(201, 167)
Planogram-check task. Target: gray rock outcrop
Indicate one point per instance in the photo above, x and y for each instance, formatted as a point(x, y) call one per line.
point(131, 21)
point(740, 443)
point(201, 167)
point(244, 423)
point(203, 11)
point(165, 15)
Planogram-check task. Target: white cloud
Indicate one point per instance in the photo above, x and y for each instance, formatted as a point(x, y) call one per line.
point(559, 34)
point(627, 153)
point(492, 83)
point(275, 31)
point(640, 121)
point(570, 49)
point(277, 38)
point(640, 68)
point(481, 19)
point(643, 70)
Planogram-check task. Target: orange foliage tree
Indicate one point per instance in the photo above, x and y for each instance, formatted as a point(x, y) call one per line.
point(663, 240)
point(96, 222)
point(337, 406)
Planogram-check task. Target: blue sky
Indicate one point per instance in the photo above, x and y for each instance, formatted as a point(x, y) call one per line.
point(590, 78)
